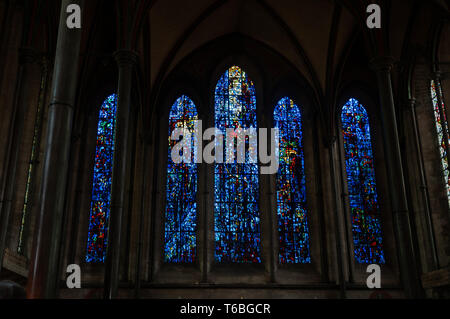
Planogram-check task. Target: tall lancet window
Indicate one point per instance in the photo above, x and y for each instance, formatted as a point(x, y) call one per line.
point(293, 229)
point(180, 230)
point(101, 185)
point(363, 200)
point(236, 185)
point(442, 131)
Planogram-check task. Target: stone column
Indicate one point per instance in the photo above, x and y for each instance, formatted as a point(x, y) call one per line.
point(126, 61)
point(423, 185)
point(27, 68)
point(44, 268)
point(408, 268)
point(339, 234)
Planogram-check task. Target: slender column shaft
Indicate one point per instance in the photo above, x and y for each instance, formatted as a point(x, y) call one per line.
point(27, 57)
point(423, 186)
point(338, 228)
point(43, 275)
point(125, 61)
point(408, 268)
point(141, 219)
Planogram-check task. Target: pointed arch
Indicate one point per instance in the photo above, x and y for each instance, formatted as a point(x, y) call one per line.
point(180, 228)
point(236, 186)
point(293, 230)
point(101, 185)
point(361, 184)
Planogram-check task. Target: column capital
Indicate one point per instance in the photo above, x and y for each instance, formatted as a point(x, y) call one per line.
point(125, 57)
point(382, 63)
point(27, 55)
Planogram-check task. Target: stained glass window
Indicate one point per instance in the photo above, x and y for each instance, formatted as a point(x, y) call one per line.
point(441, 127)
point(365, 216)
point(181, 207)
point(101, 186)
point(291, 186)
point(236, 185)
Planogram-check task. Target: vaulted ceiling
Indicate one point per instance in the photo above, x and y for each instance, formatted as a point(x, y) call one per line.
point(316, 36)
point(313, 35)
point(302, 33)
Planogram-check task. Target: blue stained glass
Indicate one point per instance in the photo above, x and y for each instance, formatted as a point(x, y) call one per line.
point(293, 228)
point(101, 186)
point(365, 216)
point(236, 186)
point(181, 204)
